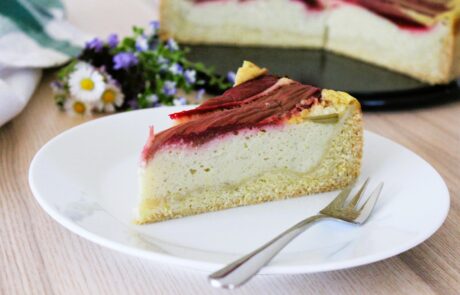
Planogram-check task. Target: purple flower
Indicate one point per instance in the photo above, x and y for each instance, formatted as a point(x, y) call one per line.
point(95, 44)
point(112, 40)
point(124, 60)
point(152, 98)
point(190, 76)
point(133, 104)
point(169, 88)
point(231, 77)
point(155, 25)
point(176, 69)
point(163, 62)
point(172, 45)
point(57, 87)
point(180, 101)
point(199, 94)
point(154, 44)
point(142, 43)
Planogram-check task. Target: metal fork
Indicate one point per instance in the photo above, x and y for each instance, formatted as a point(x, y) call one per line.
point(243, 269)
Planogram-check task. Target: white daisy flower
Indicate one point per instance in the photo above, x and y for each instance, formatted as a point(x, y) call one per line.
point(77, 107)
point(86, 83)
point(111, 97)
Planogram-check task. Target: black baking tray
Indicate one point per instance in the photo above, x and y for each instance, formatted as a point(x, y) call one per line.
point(375, 87)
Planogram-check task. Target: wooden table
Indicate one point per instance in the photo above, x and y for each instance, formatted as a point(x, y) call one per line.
point(39, 256)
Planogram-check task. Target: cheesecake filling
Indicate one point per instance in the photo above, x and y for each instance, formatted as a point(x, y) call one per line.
point(294, 147)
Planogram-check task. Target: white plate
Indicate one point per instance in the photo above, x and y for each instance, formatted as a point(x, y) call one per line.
point(86, 179)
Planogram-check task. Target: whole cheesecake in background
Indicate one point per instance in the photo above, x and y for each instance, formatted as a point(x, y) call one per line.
point(267, 138)
point(419, 38)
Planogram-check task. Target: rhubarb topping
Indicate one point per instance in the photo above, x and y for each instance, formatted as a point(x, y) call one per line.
point(234, 97)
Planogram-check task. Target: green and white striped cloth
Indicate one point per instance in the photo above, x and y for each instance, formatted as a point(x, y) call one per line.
point(34, 34)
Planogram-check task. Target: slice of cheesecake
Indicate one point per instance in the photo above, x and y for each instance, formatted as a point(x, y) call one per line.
point(268, 138)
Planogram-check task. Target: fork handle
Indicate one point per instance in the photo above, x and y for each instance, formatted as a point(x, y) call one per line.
point(241, 270)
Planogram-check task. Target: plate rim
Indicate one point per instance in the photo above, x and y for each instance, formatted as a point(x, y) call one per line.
point(212, 266)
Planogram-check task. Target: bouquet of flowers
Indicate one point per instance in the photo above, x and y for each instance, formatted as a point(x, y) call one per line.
point(139, 71)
